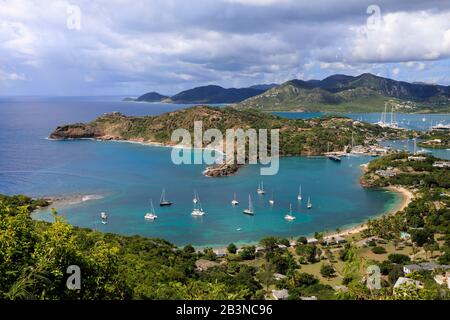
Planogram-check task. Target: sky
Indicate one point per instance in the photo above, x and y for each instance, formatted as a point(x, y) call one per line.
point(118, 47)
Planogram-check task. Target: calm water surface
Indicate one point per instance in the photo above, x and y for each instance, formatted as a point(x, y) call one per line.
point(121, 178)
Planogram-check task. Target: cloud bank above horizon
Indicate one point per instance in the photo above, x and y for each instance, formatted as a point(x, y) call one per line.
point(81, 47)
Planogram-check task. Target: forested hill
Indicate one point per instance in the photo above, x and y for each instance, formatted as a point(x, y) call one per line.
point(342, 93)
point(297, 137)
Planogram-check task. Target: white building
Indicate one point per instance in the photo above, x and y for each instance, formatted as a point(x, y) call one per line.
point(280, 294)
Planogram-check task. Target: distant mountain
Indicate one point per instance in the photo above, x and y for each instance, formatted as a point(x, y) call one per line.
point(264, 87)
point(215, 94)
point(151, 97)
point(343, 93)
point(207, 94)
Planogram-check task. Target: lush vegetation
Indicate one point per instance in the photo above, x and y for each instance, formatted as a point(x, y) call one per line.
point(34, 257)
point(407, 171)
point(341, 93)
point(297, 136)
point(435, 139)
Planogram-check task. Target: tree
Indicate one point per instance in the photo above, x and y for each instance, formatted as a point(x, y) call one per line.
point(265, 275)
point(378, 250)
point(431, 247)
point(269, 243)
point(399, 258)
point(247, 253)
point(232, 248)
point(308, 252)
point(395, 273)
point(327, 271)
point(302, 240)
point(303, 279)
point(422, 236)
point(189, 249)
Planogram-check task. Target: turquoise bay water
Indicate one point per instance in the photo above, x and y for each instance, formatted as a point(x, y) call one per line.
point(125, 176)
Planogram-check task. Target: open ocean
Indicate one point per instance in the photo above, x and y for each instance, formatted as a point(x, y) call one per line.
point(121, 178)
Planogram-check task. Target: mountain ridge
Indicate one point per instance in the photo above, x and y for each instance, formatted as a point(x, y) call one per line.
point(364, 93)
point(207, 94)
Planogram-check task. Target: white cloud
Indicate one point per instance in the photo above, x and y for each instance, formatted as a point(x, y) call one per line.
point(402, 37)
point(12, 76)
point(162, 45)
point(396, 71)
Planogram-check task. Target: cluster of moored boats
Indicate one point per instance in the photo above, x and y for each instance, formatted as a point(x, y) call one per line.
point(199, 212)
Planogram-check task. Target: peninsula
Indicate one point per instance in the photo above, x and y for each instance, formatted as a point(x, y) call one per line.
point(312, 137)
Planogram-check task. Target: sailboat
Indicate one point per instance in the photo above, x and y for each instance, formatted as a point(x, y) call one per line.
point(163, 202)
point(272, 201)
point(249, 210)
point(299, 196)
point(309, 205)
point(151, 215)
point(289, 216)
point(104, 217)
point(195, 200)
point(260, 189)
point(333, 157)
point(198, 210)
point(234, 202)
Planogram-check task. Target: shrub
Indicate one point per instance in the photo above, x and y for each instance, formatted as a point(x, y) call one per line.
point(378, 250)
point(327, 271)
point(398, 258)
point(232, 248)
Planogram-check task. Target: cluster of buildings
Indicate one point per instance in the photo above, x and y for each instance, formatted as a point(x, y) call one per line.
point(386, 173)
point(441, 164)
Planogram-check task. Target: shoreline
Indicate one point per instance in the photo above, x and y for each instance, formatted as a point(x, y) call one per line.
point(407, 197)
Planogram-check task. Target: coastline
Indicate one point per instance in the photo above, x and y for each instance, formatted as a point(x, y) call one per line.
point(406, 195)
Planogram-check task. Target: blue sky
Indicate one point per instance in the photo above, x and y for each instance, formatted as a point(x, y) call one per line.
point(120, 47)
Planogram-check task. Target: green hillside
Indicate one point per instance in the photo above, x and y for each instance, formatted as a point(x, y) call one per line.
point(340, 93)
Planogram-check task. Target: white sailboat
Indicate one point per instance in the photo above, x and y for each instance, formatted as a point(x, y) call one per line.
point(234, 202)
point(384, 122)
point(289, 216)
point(151, 215)
point(272, 200)
point(195, 200)
point(198, 210)
point(104, 217)
point(309, 205)
point(249, 210)
point(299, 196)
point(260, 189)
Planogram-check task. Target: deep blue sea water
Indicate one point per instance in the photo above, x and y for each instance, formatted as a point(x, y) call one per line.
point(124, 176)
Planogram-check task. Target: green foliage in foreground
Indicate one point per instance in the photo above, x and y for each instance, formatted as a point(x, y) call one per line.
point(34, 257)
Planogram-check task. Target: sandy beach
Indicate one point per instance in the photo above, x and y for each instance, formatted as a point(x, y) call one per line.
point(407, 197)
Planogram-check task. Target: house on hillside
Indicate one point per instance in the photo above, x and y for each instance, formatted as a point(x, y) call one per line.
point(220, 253)
point(280, 294)
point(441, 164)
point(443, 279)
point(424, 266)
point(333, 240)
point(312, 241)
point(203, 265)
